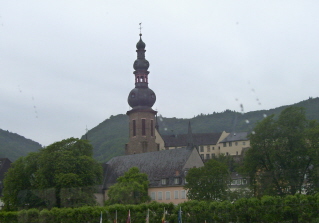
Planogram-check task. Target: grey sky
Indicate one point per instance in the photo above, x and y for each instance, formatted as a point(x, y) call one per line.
point(66, 65)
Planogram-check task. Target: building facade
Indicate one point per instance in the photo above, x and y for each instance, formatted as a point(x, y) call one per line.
point(234, 144)
point(166, 171)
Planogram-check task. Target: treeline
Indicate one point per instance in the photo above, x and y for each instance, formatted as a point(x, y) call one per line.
point(292, 208)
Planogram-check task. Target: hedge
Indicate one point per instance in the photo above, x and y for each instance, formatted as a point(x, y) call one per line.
point(297, 208)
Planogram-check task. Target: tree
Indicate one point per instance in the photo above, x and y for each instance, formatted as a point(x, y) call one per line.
point(283, 152)
point(131, 188)
point(64, 174)
point(209, 182)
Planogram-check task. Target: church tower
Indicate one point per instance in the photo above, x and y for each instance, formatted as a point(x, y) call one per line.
point(142, 120)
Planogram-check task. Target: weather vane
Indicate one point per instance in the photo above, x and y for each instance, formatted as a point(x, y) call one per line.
point(140, 28)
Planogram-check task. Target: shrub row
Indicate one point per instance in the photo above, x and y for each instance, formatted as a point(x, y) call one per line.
point(297, 208)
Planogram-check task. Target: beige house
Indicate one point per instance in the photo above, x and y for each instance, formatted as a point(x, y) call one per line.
point(233, 144)
point(166, 171)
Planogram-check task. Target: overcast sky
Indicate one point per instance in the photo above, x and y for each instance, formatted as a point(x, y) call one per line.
point(65, 65)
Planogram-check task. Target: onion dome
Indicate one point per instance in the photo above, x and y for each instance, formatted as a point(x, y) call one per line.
point(141, 64)
point(141, 97)
point(140, 44)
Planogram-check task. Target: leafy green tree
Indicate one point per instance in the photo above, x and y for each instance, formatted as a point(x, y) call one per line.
point(64, 174)
point(283, 152)
point(209, 182)
point(131, 188)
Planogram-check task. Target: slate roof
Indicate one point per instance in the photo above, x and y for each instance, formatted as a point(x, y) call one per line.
point(157, 165)
point(198, 139)
point(238, 136)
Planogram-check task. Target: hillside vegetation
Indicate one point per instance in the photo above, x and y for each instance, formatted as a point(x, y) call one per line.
point(110, 136)
point(13, 146)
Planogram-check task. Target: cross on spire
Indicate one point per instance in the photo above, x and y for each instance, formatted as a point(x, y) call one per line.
point(140, 28)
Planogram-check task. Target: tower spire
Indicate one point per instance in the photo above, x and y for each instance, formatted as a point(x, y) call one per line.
point(141, 95)
point(142, 117)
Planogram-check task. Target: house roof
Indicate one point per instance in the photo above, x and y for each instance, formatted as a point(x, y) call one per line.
point(198, 139)
point(157, 165)
point(236, 136)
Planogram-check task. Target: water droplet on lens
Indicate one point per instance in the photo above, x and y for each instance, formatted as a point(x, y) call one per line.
point(253, 132)
point(265, 115)
point(247, 121)
point(165, 129)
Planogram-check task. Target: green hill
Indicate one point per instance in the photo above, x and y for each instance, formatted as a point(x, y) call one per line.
point(110, 136)
point(13, 146)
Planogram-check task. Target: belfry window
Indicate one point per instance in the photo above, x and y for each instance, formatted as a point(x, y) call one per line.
point(152, 127)
point(134, 127)
point(143, 127)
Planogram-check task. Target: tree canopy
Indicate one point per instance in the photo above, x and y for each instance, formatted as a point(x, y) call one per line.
point(283, 158)
point(209, 182)
point(64, 174)
point(131, 188)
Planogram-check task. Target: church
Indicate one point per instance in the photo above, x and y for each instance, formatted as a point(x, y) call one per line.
point(166, 168)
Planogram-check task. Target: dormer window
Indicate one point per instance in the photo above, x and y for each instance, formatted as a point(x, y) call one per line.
point(164, 181)
point(177, 180)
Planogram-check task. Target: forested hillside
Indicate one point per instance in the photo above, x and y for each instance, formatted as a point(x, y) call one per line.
point(110, 136)
point(13, 146)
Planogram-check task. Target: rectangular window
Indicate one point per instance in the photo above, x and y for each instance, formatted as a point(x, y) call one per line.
point(230, 144)
point(176, 194)
point(134, 127)
point(244, 181)
point(152, 127)
point(159, 195)
point(168, 195)
point(233, 182)
point(213, 148)
point(236, 143)
point(202, 156)
point(183, 194)
point(153, 196)
point(213, 155)
point(201, 148)
point(207, 156)
point(224, 144)
point(177, 180)
point(244, 143)
point(143, 127)
point(208, 149)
